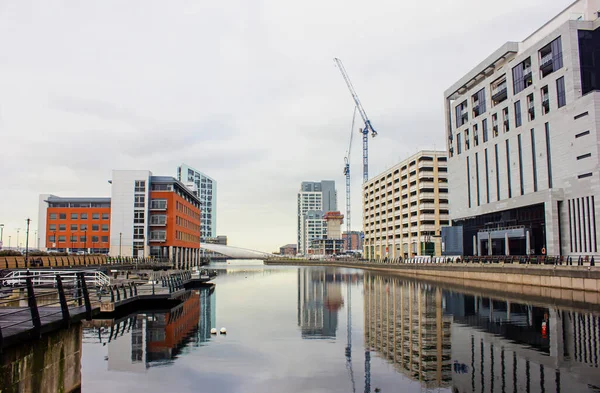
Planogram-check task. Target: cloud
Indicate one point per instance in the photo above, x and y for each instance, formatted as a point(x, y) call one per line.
point(244, 91)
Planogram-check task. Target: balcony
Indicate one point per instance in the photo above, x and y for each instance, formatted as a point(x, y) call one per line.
point(427, 195)
point(158, 236)
point(546, 63)
point(158, 205)
point(499, 93)
point(158, 220)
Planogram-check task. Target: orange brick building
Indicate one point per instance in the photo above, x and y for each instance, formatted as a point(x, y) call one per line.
point(77, 224)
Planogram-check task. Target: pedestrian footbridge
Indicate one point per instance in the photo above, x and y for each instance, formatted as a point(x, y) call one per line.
point(236, 252)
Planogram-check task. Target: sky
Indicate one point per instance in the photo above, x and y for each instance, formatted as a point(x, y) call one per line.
point(244, 91)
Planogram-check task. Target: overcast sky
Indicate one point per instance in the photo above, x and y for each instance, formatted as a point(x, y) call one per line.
point(245, 91)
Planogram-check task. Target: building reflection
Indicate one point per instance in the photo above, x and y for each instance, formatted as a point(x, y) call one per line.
point(405, 324)
point(319, 301)
point(474, 343)
point(143, 340)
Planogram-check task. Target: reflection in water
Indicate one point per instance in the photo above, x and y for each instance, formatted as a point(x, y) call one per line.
point(472, 343)
point(319, 301)
point(143, 340)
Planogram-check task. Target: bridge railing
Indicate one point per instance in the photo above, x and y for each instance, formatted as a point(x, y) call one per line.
point(29, 306)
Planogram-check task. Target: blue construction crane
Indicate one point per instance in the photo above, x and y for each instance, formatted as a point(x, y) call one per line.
point(368, 128)
point(347, 173)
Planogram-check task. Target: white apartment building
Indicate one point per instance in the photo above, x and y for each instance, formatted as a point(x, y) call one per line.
point(522, 139)
point(314, 199)
point(405, 207)
point(206, 190)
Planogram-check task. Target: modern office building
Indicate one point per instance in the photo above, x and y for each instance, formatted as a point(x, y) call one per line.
point(405, 207)
point(206, 188)
point(74, 224)
point(314, 199)
point(145, 216)
point(522, 138)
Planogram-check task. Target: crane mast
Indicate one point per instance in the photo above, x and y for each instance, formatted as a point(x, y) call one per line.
point(368, 128)
point(347, 173)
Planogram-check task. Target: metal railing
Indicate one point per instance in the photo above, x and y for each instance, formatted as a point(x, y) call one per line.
point(42, 305)
point(47, 278)
point(173, 282)
point(581, 260)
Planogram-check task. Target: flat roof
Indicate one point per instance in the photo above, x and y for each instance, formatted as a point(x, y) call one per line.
point(55, 199)
point(172, 180)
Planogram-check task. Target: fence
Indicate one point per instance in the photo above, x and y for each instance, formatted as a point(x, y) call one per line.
point(159, 282)
point(32, 318)
point(581, 260)
point(19, 262)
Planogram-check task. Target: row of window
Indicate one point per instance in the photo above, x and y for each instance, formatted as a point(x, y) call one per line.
point(82, 239)
point(186, 210)
point(550, 60)
point(75, 227)
point(473, 139)
point(77, 216)
point(187, 224)
point(186, 237)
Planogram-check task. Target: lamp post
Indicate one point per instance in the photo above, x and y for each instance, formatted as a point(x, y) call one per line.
point(27, 243)
point(18, 229)
point(55, 243)
point(120, 242)
point(9, 241)
point(85, 244)
point(37, 240)
point(1, 234)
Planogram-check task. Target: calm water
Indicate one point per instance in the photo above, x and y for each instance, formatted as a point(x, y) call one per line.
point(289, 331)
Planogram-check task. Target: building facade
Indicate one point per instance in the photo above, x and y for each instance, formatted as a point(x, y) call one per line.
point(356, 240)
point(523, 143)
point(74, 224)
point(314, 199)
point(288, 249)
point(145, 216)
point(405, 207)
point(207, 192)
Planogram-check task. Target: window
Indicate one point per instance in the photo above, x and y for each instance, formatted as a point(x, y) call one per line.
point(138, 233)
point(505, 120)
point(518, 114)
point(475, 136)
point(105, 216)
point(62, 216)
point(545, 100)
point(104, 228)
point(522, 76)
point(53, 216)
point(469, 181)
point(62, 238)
point(94, 239)
point(478, 100)
point(530, 107)
point(495, 125)
point(62, 227)
point(458, 143)
point(462, 115)
point(73, 238)
point(73, 227)
point(548, 155)
point(560, 92)
point(104, 239)
point(138, 217)
point(82, 239)
point(140, 186)
point(73, 216)
point(467, 139)
point(140, 200)
point(551, 57)
point(584, 175)
point(499, 91)
point(534, 161)
point(497, 172)
point(52, 239)
point(584, 133)
point(84, 216)
point(52, 227)
point(83, 227)
point(581, 157)
point(95, 227)
point(95, 216)
point(508, 178)
point(484, 130)
point(521, 183)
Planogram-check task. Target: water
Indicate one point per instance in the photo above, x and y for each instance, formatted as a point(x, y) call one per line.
point(288, 332)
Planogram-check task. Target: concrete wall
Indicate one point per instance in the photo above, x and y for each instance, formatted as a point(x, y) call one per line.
point(49, 365)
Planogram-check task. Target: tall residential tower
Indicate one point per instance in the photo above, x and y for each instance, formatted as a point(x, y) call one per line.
point(206, 189)
point(314, 200)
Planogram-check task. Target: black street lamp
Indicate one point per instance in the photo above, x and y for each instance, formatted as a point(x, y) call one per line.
point(27, 244)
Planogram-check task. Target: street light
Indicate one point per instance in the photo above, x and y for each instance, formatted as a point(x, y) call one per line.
point(18, 229)
point(27, 243)
point(1, 234)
